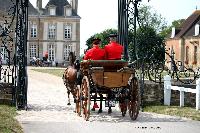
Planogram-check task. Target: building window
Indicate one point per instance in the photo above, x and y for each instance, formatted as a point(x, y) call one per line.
point(33, 50)
point(196, 30)
point(195, 55)
point(67, 31)
point(67, 50)
point(187, 55)
point(68, 11)
point(52, 31)
point(52, 11)
point(51, 52)
point(34, 30)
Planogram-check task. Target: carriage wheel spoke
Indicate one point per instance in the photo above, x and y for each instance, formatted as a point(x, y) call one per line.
point(134, 100)
point(86, 98)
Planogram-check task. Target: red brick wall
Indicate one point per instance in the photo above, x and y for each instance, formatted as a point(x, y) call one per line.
point(190, 43)
point(176, 47)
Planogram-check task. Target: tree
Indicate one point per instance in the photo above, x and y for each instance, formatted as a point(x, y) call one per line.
point(176, 23)
point(150, 45)
point(149, 18)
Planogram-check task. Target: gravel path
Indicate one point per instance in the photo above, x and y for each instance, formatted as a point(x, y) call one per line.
point(47, 99)
point(48, 112)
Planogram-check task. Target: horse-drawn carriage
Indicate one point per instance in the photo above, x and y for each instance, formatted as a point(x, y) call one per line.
point(109, 81)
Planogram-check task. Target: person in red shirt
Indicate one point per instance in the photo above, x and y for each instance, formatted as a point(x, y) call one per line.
point(113, 49)
point(45, 56)
point(113, 52)
point(95, 53)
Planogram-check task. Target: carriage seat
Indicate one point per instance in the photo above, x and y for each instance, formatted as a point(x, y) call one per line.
point(108, 65)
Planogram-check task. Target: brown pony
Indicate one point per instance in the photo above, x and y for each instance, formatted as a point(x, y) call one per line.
point(70, 77)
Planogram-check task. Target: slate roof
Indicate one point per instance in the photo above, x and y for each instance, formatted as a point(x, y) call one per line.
point(60, 4)
point(188, 23)
point(32, 10)
point(5, 5)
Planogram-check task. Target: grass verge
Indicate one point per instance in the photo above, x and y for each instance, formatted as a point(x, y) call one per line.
point(187, 112)
point(8, 124)
point(56, 72)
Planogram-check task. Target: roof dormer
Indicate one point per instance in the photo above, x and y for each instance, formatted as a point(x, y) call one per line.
point(68, 10)
point(52, 10)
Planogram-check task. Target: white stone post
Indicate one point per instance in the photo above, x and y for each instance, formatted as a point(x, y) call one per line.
point(181, 96)
point(198, 94)
point(167, 90)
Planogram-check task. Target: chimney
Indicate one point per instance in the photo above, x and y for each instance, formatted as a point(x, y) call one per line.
point(39, 4)
point(173, 32)
point(74, 4)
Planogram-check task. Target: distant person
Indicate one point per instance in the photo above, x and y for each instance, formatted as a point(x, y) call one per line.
point(95, 53)
point(113, 50)
point(45, 56)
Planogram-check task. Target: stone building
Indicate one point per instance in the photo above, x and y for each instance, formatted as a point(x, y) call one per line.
point(54, 29)
point(183, 44)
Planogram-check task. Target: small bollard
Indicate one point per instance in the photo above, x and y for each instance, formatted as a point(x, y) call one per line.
point(181, 96)
point(198, 94)
point(167, 90)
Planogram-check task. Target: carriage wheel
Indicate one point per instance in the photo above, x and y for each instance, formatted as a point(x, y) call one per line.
point(134, 99)
point(78, 102)
point(85, 88)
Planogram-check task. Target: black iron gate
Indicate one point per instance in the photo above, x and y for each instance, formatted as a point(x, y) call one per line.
point(13, 49)
point(14, 30)
point(128, 21)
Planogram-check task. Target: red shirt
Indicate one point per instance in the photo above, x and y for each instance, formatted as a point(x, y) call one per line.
point(95, 53)
point(113, 51)
point(46, 54)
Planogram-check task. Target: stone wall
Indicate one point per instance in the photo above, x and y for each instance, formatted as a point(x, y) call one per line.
point(154, 92)
point(6, 93)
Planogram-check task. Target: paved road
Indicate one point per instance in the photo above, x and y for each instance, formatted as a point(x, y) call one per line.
point(49, 113)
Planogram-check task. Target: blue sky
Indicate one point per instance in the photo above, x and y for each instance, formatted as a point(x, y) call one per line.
point(174, 9)
point(98, 15)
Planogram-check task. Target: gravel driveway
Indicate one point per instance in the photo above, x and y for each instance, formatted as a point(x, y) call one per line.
point(48, 112)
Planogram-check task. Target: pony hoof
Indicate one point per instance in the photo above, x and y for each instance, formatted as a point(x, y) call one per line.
point(69, 104)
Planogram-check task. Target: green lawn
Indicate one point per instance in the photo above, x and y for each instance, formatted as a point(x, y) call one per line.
point(56, 72)
point(187, 112)
point(8, 124)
